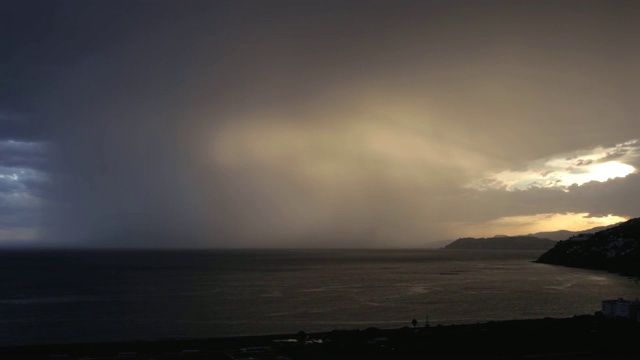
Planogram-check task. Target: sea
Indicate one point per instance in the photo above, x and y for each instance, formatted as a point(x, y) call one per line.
point(58, 297)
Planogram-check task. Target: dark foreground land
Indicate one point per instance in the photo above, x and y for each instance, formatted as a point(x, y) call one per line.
point(577, 337)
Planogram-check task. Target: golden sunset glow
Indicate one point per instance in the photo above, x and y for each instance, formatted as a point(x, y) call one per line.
point(520, 225)
point(610, 170)
point(564, 170)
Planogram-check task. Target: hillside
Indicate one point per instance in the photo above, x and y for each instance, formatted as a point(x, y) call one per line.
point(565, 234)
point(501, 243)
point(616, 249)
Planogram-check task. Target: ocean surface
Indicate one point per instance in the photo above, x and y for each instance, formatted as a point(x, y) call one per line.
point(88, 296)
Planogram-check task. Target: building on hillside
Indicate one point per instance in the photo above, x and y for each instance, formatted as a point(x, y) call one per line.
point(621, 308)
point(581, 237)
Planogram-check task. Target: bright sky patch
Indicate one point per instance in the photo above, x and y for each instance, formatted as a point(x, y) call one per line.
point(598, 164)
point(528, 224)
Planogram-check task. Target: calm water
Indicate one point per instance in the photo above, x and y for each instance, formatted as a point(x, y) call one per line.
point(62, 297)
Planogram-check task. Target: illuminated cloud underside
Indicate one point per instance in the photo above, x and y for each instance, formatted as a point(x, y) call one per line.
point(331, 152)
point(598, 164)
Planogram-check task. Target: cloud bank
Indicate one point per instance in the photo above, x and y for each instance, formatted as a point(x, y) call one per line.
point(316, 124)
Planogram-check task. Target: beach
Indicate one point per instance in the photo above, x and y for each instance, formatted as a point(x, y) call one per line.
point(576, 337)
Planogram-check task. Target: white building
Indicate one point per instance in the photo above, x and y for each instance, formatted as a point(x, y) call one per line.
point(621, 308)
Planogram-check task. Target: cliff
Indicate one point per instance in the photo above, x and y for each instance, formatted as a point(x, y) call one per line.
point(501, 243)
point(616, 249)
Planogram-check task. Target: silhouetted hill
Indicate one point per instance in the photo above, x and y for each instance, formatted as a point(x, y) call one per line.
point(502, 243)
point(565, 234)
point(616, 249)
point(556, 235)
point(437, 244)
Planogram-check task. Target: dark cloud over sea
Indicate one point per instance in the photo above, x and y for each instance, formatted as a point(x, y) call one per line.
point(329, 123)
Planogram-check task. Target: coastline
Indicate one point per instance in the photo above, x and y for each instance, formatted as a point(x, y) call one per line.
point(578, 336)
point(634, 274)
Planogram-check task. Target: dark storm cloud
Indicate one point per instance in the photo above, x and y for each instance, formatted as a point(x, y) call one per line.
point(19, 128)
point(24, 176)
point(16, 214)
point(22, 194)
point(328, 123)
point(21, 154)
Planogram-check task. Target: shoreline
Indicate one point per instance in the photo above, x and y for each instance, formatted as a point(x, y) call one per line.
point(634, 275)
point(580, 335)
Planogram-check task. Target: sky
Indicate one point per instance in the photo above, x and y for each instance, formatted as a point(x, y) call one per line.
point(305, 124)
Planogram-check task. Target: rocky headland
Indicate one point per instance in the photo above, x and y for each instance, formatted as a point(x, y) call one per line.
point(616, 249)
